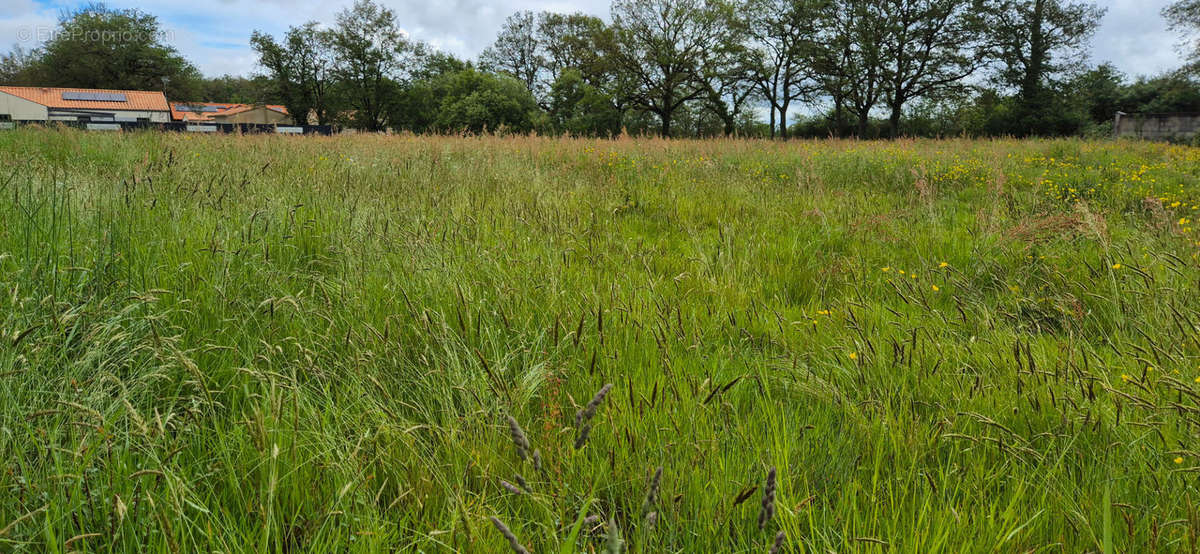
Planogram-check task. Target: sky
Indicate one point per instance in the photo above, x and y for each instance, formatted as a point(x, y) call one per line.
point(215, 34)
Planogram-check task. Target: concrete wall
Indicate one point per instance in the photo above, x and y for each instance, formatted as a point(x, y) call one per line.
point(1151, 126)
point(20, 109)
point(108, 115)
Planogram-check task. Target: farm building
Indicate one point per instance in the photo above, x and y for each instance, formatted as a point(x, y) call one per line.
point(206, 112)
point(1157, 126)
point(82, 105)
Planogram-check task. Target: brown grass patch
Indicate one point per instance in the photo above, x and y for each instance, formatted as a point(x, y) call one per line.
point(880, 225)
point(1041, 229)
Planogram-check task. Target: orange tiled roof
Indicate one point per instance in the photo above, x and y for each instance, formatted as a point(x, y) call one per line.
point(180, 111)
point(139, 100)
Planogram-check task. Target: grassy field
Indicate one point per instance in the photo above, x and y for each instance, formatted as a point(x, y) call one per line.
point(284, 344)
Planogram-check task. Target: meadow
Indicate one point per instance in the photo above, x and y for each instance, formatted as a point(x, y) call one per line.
point(381, 343)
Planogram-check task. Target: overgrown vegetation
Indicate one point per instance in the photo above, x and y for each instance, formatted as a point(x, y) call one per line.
point(374, 343)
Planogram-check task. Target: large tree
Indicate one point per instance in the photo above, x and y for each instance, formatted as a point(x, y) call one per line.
point(575, 41)
point(19, 67)
point(781, 40)
point(581, 109)
point(259, 89)
point(931, 46)
point(851, 57)
point(476, 102)
point(582, 43)
point(1183, 16)
point(417, 106)
point(1037, 41)
point(730, 75)
point(517, 50)
point(373, 59)
point(98, 47)
point(666, 48)
point(301, 69)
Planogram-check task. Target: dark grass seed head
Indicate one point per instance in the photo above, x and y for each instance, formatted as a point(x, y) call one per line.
point(583, 418)
point(513, 543)
point(767, 510)
point(652, 490)
point(511, 487)
point(588, 411)
point(582, 438)
point(777, 547)
point(518, 437)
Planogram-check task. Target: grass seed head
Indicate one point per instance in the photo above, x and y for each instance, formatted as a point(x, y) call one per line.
point(513, 543)
point(582, 438)
point(583, 418)
point(614, 543)
point(518, 437)
point(511, 487)
point(777, 547)
point(584, 415)
point(537, 461)
point(652, 491)
point(767, 511)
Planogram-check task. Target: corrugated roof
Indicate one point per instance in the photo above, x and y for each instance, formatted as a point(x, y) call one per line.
point(180, 110)
point(137, 100)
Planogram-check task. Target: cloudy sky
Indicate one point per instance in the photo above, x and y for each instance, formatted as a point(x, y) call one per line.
point(214, 34)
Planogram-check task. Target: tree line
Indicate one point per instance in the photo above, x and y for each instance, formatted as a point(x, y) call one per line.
point(777, 68)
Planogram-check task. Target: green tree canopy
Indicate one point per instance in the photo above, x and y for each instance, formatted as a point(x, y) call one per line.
point(475, 101)
point(578, 108)
point(99, 47)
point(301, 69)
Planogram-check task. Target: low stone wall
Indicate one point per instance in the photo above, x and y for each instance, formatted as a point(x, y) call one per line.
point(1157, 126)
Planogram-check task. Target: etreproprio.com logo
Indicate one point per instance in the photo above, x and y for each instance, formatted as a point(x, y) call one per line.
point(48, 34)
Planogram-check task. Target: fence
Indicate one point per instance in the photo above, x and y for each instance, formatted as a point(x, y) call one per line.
point(183, 127)
point(1157, 126)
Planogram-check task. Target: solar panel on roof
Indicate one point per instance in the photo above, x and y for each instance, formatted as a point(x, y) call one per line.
point(95, 96)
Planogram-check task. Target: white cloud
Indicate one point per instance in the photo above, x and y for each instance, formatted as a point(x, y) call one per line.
point(1134, 37)
point(24, 21)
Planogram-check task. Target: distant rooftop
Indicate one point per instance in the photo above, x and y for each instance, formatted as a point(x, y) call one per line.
point(206, 111)
point(82, 98)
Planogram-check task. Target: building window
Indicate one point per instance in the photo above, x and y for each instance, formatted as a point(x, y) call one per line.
point(143, 120)
point(84, 119)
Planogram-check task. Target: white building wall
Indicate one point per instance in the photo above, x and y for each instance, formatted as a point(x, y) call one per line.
point(20, 109)
point(113, 115)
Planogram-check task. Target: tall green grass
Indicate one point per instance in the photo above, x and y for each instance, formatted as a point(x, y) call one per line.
point(282, 344)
